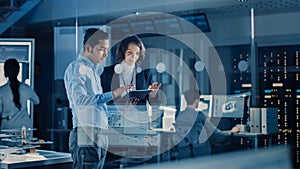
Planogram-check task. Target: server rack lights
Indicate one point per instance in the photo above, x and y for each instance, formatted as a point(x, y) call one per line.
point(280, 87)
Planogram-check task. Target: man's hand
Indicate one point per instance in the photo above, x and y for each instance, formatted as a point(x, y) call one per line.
point(120, 90)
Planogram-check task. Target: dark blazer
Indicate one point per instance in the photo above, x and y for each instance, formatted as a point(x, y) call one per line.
point(110, 81)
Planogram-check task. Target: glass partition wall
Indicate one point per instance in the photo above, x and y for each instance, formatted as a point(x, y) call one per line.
point(225, 48)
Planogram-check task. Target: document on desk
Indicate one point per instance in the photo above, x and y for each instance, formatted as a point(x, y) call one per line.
point(14, 158)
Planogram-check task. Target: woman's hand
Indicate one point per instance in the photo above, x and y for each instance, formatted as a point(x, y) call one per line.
point(133, 101)
point(154, 87)
point(235, 129)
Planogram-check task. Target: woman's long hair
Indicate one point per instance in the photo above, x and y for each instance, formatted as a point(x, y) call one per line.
point(123, 46)
point(11, 70)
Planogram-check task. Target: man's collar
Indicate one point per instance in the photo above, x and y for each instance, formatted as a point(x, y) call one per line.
point(97, 67)
point(86, 61)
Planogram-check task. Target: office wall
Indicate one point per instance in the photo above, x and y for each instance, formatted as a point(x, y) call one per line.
point(226, 30)
point(281, 28)
point(56, 9)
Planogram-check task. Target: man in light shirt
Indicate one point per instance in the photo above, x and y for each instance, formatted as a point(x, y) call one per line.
point(88, 140)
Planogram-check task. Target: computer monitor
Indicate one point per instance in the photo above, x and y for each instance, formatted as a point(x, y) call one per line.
point(229, 106)
point(136, 120)
point(205, 105)
point(199, 20)
point(133, 119)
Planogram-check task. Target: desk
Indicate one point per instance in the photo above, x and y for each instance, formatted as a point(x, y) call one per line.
point(275, 157)
point(40, 159)
point(134, 149)
point(255, 137)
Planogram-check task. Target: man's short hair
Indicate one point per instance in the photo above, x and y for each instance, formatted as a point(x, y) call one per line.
point(93, 35)
point(191, 95)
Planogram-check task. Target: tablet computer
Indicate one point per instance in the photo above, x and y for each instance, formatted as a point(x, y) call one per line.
point(139, 94)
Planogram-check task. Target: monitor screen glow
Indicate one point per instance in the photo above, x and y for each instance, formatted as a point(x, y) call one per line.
point(205, 105)
point(228, 106)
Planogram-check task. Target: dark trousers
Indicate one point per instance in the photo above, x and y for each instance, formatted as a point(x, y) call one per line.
point(86, 150)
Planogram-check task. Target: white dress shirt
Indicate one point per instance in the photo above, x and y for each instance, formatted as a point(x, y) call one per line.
point(84, 91)
point(127, 76)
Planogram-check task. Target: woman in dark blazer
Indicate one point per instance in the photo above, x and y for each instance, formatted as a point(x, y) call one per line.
point(130, 53)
